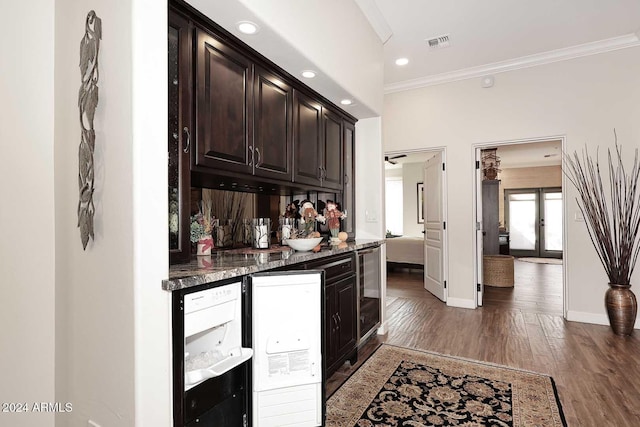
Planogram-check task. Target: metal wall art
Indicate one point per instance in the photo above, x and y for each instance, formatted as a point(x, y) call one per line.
point(87, 103)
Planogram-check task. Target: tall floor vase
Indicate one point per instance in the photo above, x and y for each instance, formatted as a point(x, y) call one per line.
point(622, 308)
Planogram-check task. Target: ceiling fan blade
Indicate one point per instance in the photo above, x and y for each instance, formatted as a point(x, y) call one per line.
point(386, 159)
point(399, 156)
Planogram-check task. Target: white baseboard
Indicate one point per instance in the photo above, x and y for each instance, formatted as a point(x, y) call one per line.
point(593, 318)
point(461, 303)
point(382, 329)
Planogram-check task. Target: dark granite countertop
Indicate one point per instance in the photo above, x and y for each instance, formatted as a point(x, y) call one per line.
point(238, 262)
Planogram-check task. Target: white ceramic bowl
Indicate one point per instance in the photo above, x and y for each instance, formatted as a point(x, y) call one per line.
point(303, 244)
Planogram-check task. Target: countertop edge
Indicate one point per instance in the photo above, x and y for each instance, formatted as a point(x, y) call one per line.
point(294, 258)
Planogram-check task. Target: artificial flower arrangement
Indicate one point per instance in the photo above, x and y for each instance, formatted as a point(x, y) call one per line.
point(309, 216)
point(333, 216)
point(201, 229)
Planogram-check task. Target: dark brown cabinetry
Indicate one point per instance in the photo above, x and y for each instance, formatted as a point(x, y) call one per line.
point(223, 106)
point(272, 138)
point(348, 188)
point(318, 144)
point(239, 122)
point(179, 138)
point(331, 150)
point(307, 131)
point(344, 304)
point(341, 332)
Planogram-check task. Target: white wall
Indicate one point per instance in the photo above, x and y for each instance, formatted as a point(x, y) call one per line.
point(331, 37)
point(152, 310)
point(99, 314)
point(336, 36)
point(95, 329)
point(370, 207)
point(369, 180)
point(27, 259)
point(113, 326)
point(412, 174)
point(583, 99)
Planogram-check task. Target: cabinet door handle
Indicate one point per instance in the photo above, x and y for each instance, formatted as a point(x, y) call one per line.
point(346, 179)
point(188, 145)
point(320, 173)
point(339, 318)
point(253, 155)
point(259, 157)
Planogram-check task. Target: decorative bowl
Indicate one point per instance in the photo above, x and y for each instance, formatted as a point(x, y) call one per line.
point(303, 244)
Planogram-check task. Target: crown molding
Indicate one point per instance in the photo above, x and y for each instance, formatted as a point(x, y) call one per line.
point(376, 19)
point(593, 48)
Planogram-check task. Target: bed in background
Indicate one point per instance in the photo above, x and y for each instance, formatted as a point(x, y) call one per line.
point(405, 252)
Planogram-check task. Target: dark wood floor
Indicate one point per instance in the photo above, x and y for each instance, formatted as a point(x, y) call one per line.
point(597, 373)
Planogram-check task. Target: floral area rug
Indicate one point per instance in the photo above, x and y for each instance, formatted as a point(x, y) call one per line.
point(403, 387)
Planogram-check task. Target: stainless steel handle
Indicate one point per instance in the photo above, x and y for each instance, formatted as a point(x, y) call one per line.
point(259, 157)
point(253, 155)
point(339, 318)
point(186, 130)
point(320, 173)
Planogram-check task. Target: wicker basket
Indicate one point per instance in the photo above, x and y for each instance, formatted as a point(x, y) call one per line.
point(498, 270)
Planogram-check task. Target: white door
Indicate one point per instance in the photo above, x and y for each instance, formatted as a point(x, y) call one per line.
point(479, 230)
point(433, 210)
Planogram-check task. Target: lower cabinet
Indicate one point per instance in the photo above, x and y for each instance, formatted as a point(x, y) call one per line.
point(345, 335)
point(340, 299)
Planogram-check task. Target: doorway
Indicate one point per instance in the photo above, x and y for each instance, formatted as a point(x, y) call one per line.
point(530, 218)
point(415, 218)
point(534, 220)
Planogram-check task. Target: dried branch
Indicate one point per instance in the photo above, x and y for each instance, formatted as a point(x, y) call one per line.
point(613, 218)
point(229, 205)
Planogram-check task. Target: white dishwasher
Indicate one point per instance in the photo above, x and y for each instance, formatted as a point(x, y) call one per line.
point(287, 345)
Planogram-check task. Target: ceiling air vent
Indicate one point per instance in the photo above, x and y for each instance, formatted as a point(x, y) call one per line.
point(439, 42)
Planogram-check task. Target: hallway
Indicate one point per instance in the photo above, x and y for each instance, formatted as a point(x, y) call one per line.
point(596, 372)
point(537, 289)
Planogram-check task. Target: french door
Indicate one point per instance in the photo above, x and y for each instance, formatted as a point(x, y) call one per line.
point(534, 221)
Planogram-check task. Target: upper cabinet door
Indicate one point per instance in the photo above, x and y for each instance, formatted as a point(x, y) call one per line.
point(273, 102)
point(332, 169)
point(180, 38)
point(349, 180)
point(223, 106)
point(307, 140)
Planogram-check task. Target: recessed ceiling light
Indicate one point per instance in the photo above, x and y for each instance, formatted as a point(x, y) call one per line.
point(346, 102)
point(308, 74)
point(247, 27)
point(402, 61)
